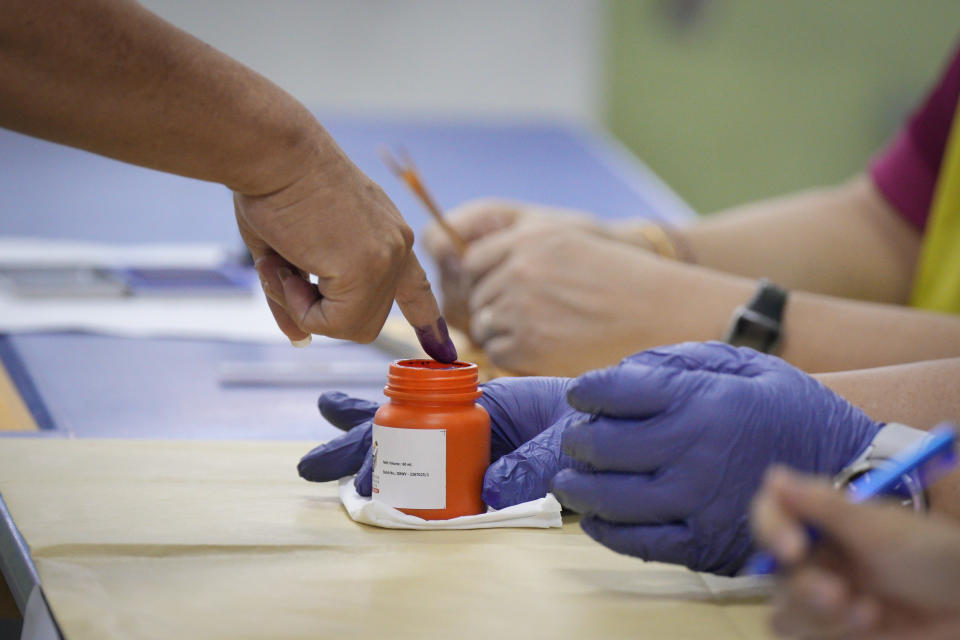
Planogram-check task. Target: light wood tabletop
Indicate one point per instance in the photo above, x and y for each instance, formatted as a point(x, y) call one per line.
point(186, 539)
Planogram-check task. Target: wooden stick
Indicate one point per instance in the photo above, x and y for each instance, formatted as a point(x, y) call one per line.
point(408, 173)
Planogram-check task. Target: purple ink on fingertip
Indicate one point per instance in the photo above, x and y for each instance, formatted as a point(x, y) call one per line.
point(442, 349)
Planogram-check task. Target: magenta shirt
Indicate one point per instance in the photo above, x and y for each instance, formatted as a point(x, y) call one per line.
point(906, 170)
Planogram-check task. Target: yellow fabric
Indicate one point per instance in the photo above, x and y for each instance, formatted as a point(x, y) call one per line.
point(937, 284)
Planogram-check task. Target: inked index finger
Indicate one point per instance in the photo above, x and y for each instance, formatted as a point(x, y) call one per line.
point(419, 306)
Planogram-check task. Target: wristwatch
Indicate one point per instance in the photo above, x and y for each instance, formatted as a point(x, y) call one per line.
point(892, 439)
point(758, 324)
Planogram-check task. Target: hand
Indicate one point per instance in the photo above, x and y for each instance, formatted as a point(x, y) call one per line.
point(480, 219)
point(879, 572)
point(534, 288)
point(335, 223)
point(679, 443)
point(527, 419)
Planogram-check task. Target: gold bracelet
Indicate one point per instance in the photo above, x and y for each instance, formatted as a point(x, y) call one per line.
point(659, 240)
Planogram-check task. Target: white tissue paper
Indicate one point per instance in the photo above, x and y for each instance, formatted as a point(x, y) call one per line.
point(541, 514)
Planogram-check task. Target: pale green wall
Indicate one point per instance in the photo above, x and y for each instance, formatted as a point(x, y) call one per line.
point(760, 97)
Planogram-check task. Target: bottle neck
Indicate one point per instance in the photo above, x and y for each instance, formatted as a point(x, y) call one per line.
point(431, 382)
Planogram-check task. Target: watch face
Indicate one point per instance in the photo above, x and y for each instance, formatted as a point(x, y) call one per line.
point(747, 333)
point(904, 494)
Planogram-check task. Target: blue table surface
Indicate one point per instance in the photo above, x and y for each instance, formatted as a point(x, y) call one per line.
point(53, 191)
point(106, 387)
point(99, 386)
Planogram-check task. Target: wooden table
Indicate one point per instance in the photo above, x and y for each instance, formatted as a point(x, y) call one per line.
point(151, 539)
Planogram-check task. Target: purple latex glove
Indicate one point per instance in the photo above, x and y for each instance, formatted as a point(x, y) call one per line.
point(679, 442)
point(527, 418)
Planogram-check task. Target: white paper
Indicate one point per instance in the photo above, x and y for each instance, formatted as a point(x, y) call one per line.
point(238, 318)
point(542, 513)
point(242, 319)
point(44, 252)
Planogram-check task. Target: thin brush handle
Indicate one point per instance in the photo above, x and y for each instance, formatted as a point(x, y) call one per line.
point(413, 181)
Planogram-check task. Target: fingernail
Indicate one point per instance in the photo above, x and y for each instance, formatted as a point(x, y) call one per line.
point(788, 545)
point(283, 273)
point(302, 342)
point(779, 479)
point(436, 341)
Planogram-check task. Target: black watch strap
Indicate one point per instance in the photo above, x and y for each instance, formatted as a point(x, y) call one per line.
point(758, 324)
point(769, 301)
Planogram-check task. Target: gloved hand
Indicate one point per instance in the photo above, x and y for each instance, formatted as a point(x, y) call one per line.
point(527, 419)
point(679, 442)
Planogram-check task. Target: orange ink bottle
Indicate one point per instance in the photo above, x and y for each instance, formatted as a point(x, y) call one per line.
point(431, 441)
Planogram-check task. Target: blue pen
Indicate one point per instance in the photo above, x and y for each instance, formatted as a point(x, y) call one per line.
point(930, 459)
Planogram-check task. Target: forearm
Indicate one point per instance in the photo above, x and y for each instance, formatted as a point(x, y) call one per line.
point(111, 77)
point(919, 394)
point(844, 241)
point(820, 333)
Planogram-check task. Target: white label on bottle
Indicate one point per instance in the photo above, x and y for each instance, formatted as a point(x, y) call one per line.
point(410, 467)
